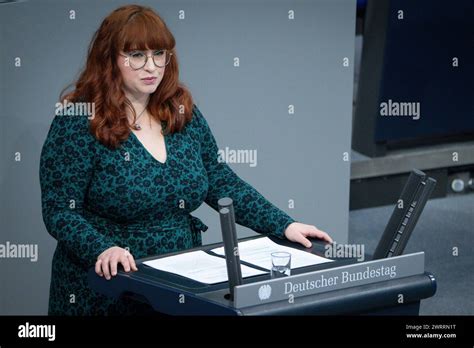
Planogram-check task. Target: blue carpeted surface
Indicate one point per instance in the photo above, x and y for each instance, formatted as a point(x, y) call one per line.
point(444, 224)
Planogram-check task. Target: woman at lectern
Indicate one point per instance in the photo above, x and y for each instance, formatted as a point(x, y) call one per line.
point(119, 183)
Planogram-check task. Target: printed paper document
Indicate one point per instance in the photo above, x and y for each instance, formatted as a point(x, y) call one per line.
point(199, 266)
point(257, 252)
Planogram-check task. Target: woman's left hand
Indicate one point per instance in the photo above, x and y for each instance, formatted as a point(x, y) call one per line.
point(298, 232)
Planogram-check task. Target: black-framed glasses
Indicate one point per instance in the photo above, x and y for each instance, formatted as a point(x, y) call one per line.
point(138, 59)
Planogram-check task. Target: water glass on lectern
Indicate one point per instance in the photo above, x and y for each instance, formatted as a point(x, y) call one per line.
point(281, 264)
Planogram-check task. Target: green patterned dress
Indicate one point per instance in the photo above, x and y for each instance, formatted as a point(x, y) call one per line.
point(94, 198)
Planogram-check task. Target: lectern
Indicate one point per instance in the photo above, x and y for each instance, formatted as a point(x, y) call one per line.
point(163, 290)
point(388, 283)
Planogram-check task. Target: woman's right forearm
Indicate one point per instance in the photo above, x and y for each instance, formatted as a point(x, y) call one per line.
point(76, 233)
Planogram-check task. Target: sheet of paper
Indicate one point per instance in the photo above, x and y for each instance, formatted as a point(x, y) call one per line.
point(257, 252)
point(199, 266)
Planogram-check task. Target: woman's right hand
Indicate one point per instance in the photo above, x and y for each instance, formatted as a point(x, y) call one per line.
point(107, 262)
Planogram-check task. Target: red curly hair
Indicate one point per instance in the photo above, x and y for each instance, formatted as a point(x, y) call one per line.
point(128, 28)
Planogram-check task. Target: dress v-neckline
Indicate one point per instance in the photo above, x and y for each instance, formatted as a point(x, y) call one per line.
point(148, 153)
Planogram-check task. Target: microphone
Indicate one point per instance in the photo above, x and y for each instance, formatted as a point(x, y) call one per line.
point(231, 247)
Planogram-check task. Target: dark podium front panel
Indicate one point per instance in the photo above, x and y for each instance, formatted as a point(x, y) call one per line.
point(176, 295)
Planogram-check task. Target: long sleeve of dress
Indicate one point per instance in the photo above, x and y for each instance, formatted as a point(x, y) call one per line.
point(66, 167)
point(251, 209)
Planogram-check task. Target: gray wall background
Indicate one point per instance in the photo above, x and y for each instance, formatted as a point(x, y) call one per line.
point(282, 62)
